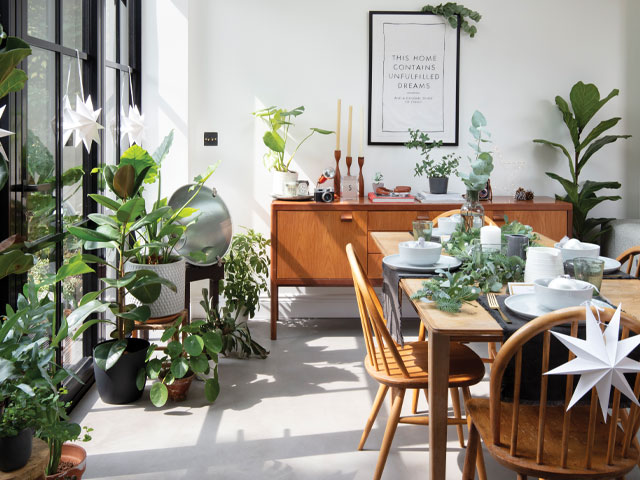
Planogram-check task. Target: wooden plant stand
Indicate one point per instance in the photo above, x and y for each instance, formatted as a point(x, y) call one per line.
point(34, 469)
point(141, 330)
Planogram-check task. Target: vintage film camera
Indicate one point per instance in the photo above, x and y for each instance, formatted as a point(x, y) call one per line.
point(324, 191)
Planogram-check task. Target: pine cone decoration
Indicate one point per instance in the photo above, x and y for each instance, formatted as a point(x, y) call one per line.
point(522, 194)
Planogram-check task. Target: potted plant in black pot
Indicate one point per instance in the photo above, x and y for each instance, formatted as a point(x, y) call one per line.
point(438, 172)
point(187, 355)
point(18, 415)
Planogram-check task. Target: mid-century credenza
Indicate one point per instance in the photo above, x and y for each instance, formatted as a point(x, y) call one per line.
point(308, 239)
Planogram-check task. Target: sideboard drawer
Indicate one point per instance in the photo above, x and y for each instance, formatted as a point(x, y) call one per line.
point(311, 244)
point(394, 221)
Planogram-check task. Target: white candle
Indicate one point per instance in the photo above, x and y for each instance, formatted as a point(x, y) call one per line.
point(349, 132)
point(360, 154)
point(491, 235)
point(338, 125)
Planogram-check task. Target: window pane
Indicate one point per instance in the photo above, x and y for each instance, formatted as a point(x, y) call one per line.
point(110, 154)
point(124, 34)
point(125, 100)
point(72, 24)
point(110, 29)
point(41, 19)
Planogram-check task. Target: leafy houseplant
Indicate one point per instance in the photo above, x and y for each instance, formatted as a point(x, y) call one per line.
point(183, 360)
point(585, 103)
point(279, 121)
point(236, 337)
point(449, 291)
point(378, 181)
point(452, 12)
point(438, 172)
point(12, 51)
point(481, 166)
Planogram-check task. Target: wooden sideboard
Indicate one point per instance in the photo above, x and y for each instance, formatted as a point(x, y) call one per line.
point(308, 239)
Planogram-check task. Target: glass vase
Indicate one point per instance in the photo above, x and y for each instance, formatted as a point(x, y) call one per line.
point(472, 212)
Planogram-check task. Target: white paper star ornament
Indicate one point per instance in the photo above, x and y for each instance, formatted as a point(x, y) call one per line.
point(82, 122)
point(601, 361)
point(4, 133)
point(133, 125)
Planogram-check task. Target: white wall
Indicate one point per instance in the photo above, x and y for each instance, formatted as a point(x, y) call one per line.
point(246, 54)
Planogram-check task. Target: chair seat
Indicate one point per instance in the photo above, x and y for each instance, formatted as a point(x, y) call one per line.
point(465, 366)
point(525, 460)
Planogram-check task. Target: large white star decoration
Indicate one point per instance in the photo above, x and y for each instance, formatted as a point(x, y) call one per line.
point(81, 122)
point(133, 125)
point(4, 133)
point(601, 360)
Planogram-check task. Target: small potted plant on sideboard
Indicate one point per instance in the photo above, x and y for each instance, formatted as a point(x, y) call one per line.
point(438, 172)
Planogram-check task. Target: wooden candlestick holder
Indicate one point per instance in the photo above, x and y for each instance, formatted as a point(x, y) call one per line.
point(360, 178)
point(336, 178)
point(349, 160)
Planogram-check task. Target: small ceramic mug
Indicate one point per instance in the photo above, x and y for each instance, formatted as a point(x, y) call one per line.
point(291, 189)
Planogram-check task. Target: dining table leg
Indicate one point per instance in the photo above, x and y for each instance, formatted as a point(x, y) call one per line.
point(438, 403)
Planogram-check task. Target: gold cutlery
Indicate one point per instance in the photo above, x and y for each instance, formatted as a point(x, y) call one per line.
point(493, 305)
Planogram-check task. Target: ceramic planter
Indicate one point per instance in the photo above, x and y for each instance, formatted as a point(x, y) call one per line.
point(75, 455)
point(438, 185)
point(179, 388)
point(169, 302)
point(118, 384)
point(375, 186)
point(15, 451)
point(280, 180)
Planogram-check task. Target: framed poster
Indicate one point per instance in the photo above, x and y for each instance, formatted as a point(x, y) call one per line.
point(413, 77)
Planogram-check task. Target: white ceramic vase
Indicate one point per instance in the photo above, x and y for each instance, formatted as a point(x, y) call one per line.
point(280, 180)
point(169, 302)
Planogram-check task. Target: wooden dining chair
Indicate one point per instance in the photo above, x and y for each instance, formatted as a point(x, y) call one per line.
point(549, 441)
point(405, 367)
point(449, 213)
point(629, 255)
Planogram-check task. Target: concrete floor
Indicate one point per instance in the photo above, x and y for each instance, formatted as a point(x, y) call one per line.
point(299, 414)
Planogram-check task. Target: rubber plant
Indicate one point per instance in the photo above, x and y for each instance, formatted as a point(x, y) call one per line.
point(585, 103)
point(453, 13)
point(279, 121)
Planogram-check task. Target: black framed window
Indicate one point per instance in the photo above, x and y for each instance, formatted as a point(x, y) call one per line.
point(98, 40)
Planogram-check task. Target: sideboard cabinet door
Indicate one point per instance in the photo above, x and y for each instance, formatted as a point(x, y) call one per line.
point(552, 223)
point(312, 244)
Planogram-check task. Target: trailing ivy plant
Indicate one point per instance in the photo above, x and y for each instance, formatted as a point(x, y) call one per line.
point(449, 290)
point(585, 103)
point(451, 11)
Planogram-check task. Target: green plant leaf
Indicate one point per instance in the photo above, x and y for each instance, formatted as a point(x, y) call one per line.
point(78, 316)
point(159, 394)
point(151, 217)
point(89, 235)
point(141, 378)
point(162, 151)
point(211, 389)
point(15, 262)
point(322, 131)
point(102, 219)
point(4, 172)
point(478, 120)
point(139, 314)
point(597, 145)
point(212, 342)
point(174, 349)
point(138, 158)
point(199, 364)
point(179, 367)
point(124, 181)
point(569, 120)
point(106, 201)
point(154, 366)
point(105, 355)
point(131, 210)
point(13, 83)
point(274, 141)
point(148, 286)
point(568, 185)
point(168, 333)
point(193, 345)
point(598, 130)
point(585, 101)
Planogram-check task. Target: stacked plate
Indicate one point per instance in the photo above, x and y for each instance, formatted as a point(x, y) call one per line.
point(543, 262)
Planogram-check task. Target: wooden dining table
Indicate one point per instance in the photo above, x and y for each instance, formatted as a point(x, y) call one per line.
point(472, 324)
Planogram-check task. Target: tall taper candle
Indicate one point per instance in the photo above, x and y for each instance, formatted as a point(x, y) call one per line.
point(349, 132)
point(338, 125)
point(360, 154)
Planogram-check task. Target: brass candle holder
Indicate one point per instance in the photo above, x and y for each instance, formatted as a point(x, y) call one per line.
point(336, 178)
point(360, 178)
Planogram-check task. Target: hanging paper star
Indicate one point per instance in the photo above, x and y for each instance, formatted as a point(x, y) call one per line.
point(4, 133)
point(133, 125)
point(601, 360)
point(82, 122)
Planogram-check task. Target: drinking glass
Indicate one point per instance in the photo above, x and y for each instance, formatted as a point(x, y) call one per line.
point(589, 269)
point(422, 229)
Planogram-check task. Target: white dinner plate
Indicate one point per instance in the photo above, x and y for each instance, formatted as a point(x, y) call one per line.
point(610, 264)
point(526, 305)
point(444, 262)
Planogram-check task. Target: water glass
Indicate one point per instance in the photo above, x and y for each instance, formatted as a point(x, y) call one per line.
point(422, 229)
point(589, 269)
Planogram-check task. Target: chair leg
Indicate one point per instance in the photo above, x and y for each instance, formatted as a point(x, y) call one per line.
point(377, 403)
point(392, 424)
point(522, 477)
point(482, 471)
point(469, 469)
point(414, 402)
point(455, 400)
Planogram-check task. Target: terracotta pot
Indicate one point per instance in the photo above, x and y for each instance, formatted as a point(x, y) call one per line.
point(179, 388)
point(76, 455)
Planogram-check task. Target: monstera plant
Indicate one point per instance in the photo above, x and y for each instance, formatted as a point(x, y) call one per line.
point(585, 103)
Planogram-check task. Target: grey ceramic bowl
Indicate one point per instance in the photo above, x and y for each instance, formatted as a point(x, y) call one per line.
point(557, 298)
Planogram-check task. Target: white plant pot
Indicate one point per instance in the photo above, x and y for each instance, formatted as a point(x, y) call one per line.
point(280, 180)
point(169, 302)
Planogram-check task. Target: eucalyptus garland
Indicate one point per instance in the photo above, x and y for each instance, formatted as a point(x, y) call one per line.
point(449, 291)
point(451, 10)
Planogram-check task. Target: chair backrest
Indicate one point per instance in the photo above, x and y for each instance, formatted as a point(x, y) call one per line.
point(513, 347)
point(629, 255)
point(449, 213)
point(381, 348)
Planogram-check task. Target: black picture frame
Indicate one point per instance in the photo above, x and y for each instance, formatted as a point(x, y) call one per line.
point(449, 132)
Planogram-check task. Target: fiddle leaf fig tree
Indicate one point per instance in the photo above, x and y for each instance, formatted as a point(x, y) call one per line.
point(585, 103)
